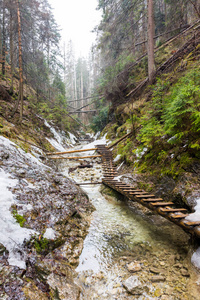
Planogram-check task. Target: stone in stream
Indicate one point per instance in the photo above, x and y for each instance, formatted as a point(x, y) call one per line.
point(134, 266)
point(157, 278)
point(134, 286)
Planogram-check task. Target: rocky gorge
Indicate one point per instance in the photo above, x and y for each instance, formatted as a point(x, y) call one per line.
point(67, 242)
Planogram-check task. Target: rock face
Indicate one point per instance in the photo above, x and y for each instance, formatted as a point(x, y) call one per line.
point(134, 286)
point(47, 202)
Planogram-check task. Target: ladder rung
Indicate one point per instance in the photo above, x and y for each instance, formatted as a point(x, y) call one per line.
point(179, 216)
point(162, 203)
point(144, 196)
point(132, 190)
point(191, 223)
point(153, 200)
point(173, 209)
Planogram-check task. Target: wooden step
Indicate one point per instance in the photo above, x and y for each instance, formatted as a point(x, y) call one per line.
point(162, 203)
point(191, 223)
point(145, 196)
point(173, 209)
point(132, 190)
point(153, 200)
point(178, 216)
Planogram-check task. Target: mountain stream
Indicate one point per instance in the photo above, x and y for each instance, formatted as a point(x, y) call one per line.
point(130, 253)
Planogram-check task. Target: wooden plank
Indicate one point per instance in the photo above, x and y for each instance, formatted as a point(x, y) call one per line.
point(162, 203)
point(144, 196)
point(76, 157)
point(178, 216)
point(153, 200)
point(71, 151)
point(132, 190)
point(191, 223)
point(173, 209)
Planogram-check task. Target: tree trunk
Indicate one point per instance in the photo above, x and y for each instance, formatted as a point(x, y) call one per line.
point(20, 95)
point(150, 44)
point(3, 40)
point(11, 49)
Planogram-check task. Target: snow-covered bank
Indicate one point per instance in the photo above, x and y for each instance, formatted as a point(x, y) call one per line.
point(60, 141)
point(12, 235)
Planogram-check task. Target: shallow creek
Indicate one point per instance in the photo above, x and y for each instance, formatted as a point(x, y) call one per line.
point(129, 247)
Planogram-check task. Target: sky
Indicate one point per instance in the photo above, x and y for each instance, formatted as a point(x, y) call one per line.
point(77, 18)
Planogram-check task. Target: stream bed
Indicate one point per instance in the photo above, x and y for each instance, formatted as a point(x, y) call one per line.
point(130, 253)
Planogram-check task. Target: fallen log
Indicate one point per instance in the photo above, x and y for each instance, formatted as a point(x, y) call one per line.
point(121, 139)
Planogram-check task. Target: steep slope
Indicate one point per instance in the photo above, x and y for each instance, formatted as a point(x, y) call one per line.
point(162, 156)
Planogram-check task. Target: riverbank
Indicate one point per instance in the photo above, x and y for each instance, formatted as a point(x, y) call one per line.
point(44, 220)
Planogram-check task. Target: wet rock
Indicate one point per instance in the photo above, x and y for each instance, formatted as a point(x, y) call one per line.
point(134, 286)
point(31, 290)
point(156, 270)
point(57, 180)
point(157, 278)
point(134, 267)
point(4, 154)
point(184, 272)
point(21, 173)
point(62, 288)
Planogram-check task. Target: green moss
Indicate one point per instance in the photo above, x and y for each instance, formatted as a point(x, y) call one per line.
point(41, 245)
point(20, 219)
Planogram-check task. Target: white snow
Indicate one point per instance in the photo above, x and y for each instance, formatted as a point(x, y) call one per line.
point(97, 135)
point(59, 140)
point(50, 234)
point(12, 235)
point(140, 152)
point(14, 149)
point(72, 138)
point(195, 259)
point(118, 177)
point(193, 217)
point(117, 158)
point(56, 145)
point(119, 167)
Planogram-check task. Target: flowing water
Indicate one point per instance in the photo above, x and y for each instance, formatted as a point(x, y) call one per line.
point(125, 242)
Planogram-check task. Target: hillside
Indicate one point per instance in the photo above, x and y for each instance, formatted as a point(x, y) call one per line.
point(163, 153)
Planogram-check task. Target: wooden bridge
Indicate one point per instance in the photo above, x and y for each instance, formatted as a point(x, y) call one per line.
point(166, 209)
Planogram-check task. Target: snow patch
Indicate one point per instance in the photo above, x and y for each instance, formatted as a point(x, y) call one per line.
point(59, 140)
point(50, 234)
point(193, 217)
point(12, 235)
point(56, 145)
point(195, 259)
point(119, 167)
point(140, 152)
point(72, 138)
point(118, 177)
point(117, 158)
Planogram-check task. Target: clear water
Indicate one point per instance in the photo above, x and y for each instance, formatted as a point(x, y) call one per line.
point(119, 235)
